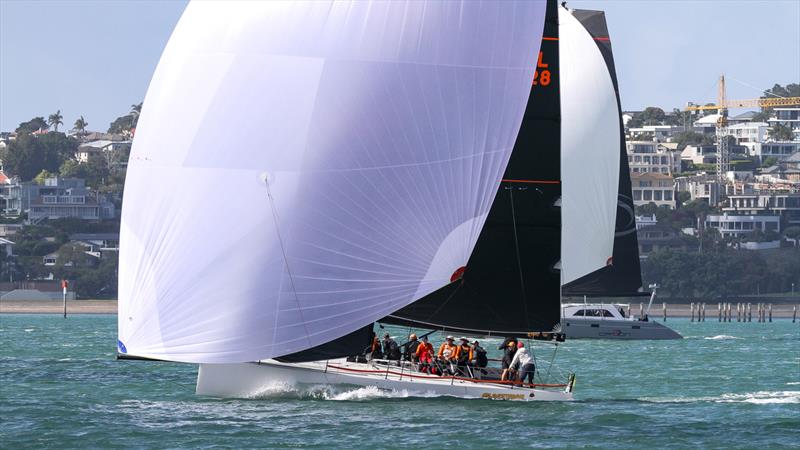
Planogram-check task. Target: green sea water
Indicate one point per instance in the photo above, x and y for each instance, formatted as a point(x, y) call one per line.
point(731, 385)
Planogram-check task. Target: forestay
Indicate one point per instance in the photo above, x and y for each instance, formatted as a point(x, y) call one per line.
point(303, 169)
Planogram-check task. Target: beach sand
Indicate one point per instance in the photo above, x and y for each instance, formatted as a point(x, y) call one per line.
point(57, 307)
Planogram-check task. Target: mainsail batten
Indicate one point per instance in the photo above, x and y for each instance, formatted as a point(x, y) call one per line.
point(303, 169)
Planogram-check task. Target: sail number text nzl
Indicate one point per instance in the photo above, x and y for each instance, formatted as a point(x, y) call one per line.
point(542, 74)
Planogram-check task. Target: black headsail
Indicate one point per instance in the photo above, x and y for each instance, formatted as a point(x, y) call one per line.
point(622, 277)
point(510, 285)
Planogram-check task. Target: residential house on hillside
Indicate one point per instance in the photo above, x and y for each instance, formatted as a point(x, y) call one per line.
point(97, 244)
point(706, 124)
point(54, 199)
point(700, 154)
point(658, 237)
point(700, 187)
point(645, 156)
point(784, 204)
point(100, 147)
point(788, 116)
point(653, 187)
point(658, 133)
point(730, 225)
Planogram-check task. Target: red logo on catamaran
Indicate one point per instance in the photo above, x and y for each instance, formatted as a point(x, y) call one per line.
point(458, 274)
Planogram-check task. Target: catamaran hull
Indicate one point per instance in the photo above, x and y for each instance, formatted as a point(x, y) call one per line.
point(251, 379)
point(595, 328)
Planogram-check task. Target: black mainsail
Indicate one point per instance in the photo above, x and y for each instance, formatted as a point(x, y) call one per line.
point(511, 284)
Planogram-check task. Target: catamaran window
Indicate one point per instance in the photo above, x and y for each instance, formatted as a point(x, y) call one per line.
point(594, 313)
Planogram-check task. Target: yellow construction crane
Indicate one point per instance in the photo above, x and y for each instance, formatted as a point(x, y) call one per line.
point(723, 104)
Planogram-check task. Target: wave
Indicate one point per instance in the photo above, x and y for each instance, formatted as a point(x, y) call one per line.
point(721, 337)
point(761, 398)
point(326, 392)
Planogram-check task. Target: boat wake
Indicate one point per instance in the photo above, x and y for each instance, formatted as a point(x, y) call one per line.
point(334, 393)
point(761, 398)
point(721, 337)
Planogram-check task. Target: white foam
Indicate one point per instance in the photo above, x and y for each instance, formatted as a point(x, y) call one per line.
point(761, 397)
point(793, 383)
point(28, 330)
point(721, 337)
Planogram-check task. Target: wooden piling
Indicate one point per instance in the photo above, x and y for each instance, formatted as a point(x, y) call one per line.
point(719, 312)
point(629, 310)
point(749, 312)
point(691, 308)
point(738, 312)
point(704, 311)
point(794, 313)
point(770, 313)
point(664, 308)
point(641, 310)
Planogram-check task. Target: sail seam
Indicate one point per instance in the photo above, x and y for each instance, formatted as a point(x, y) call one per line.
point(285, 258)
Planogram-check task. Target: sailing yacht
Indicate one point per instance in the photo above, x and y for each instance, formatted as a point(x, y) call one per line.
point(621, 276)
point(421, 164)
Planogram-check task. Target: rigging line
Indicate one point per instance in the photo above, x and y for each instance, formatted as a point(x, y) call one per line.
point(763, 91)
point(285, 259)
point(549, 368)
point(519, 260)
point(460, 283)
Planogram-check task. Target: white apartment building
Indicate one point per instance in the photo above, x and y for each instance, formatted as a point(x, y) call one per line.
point(653, 187)
point(660, 133)
point(700, 154)
point(785, 204)
point(645, 157)
point(740, 225)
point(788, 116)
point(748, 132)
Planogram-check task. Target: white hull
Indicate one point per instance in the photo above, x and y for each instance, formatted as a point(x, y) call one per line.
point(249, 379)
point(600, 328)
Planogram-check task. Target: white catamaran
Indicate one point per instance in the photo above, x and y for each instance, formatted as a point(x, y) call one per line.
point(302, 170)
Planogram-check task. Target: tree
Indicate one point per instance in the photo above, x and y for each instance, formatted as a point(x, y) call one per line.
point(136, 110)
point(35, 124)
point(691, 138)
point(43, 175)
point(28, 155)
point(80, 126)
point(769, 161)
point(780, 132)
point(126, 123)
point(54, 120)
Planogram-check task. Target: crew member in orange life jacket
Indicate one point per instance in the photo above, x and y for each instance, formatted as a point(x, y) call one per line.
point(448, 350)
point(447, 356)
point(464, 357)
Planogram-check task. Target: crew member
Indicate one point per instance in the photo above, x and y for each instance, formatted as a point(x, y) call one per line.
point(447, 355)
point(464, 357)
point(425, 355)
point(523, 359)
point(410, 349)
point(508, 355)
point(391, 350)
point(479, 358)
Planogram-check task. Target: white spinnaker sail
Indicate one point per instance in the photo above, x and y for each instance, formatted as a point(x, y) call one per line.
point(590, 145)
point(301, 169)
